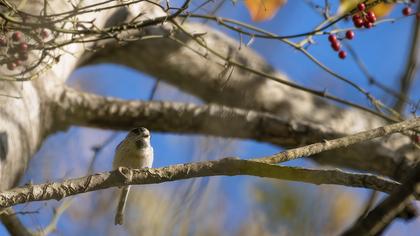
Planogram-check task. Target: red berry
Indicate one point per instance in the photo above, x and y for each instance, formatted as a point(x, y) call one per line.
point(342, 54)
point(23, 47)
point(11, 65)
point(3, 42)
point(361, 6)
point(406, 11)
point(416, 138)
point(349, 34)
point(370, 16)
point(356, 17)
point(358, 23)
point(44, 33)
point(16, 36)
point(336, 46)
point(332, 38)
point(367, 24)
point(18, 62)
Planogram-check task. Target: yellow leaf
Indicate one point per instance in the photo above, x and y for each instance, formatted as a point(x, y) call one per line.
point(261, 10)
point(383, 9)
point(380, 10)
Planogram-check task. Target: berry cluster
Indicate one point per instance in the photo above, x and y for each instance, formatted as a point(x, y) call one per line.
point(363, 18)
point(16, 48)
point(336, 45)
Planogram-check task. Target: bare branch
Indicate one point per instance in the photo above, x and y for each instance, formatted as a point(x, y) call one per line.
point(79, 108)
point(12, 223)
point(380, 217)
point(15, 227)
point(342, 142)
point(58, 212)
point(226, 166)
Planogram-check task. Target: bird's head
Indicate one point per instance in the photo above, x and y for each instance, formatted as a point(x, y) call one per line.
point(140, 135)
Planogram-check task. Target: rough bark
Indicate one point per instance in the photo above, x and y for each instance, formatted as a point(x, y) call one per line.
point(227, 166)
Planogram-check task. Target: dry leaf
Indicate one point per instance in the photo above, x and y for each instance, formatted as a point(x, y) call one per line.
point(262, 10)
point(380, 10)
point(383, 9)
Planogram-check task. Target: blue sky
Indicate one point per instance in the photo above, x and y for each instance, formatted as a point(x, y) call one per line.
point(384, 50)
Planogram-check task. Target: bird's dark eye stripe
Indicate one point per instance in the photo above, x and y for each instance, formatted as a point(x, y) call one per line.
point(143, 129)
point(136, 131)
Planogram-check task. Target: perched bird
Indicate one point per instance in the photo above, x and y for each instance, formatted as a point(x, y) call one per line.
point(136, 152)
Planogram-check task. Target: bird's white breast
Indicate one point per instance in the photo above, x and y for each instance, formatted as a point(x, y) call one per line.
point(129, 155)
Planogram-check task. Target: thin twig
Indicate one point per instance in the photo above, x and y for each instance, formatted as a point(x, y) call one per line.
point(341, 142)
point(12, 223)
point(379, 218)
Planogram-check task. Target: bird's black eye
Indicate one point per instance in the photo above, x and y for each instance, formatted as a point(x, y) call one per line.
point(135, 131)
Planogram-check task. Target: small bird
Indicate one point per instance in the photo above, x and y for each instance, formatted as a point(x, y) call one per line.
point(135, 152)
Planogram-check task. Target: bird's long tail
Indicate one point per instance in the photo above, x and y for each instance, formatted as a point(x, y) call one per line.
point(119, 215)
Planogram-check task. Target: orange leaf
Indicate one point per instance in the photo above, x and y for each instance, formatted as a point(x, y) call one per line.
point(382, 9)
point(261, 10)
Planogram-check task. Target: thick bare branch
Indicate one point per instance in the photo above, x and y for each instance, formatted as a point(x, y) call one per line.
point(226, 166)
point(79, 108)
